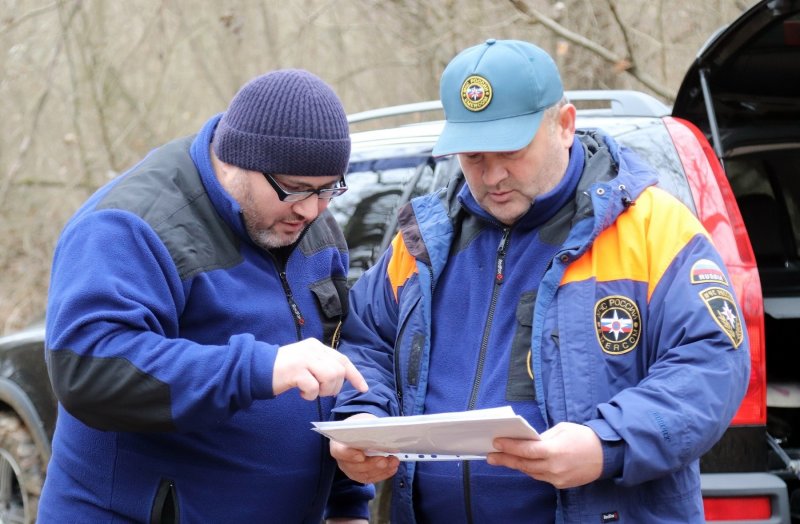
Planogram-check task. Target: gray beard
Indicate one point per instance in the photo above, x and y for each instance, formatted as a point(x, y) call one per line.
point(267, 240)
point(264, 238)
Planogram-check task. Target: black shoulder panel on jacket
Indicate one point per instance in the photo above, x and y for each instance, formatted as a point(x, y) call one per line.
point(166, 191)
point(323, 233)
point(467, 229)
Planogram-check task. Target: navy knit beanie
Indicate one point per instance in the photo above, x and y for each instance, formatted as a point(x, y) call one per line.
point(286, 122)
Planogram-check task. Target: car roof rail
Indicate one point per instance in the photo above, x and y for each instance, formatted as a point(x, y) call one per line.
point(404, 109)
point(622, 103)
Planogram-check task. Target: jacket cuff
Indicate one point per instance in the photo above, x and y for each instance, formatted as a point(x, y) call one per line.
point(349, 499)
point(345, 412)
point(613, 458)
point(613, 448)
point(263, 364)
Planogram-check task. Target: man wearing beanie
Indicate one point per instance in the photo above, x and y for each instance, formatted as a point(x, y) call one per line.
point(193, 315)
point(554, 277)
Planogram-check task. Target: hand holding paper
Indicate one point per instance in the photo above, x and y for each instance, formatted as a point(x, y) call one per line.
point(466, 435)
point(568, 455)
point(358, 466)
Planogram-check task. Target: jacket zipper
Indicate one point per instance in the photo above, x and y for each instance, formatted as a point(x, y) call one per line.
point(165, 506)
point(299, 322)
point(499, 277)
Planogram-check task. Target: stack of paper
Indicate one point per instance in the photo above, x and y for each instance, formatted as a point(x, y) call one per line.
point(464, 435)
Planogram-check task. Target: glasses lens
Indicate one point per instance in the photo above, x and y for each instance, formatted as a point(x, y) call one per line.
point(297, 196)
point(327, 194)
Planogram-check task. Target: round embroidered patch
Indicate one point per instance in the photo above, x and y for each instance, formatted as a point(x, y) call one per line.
point(476, 93)
point(617, 324)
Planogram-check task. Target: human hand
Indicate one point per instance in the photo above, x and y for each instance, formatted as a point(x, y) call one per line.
point(358, 466)
point(568, 455)
point(315, 369)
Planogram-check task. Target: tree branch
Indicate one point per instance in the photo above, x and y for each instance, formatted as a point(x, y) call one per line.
point(10, 22)
point(537, 17)
point(27, 140)
point(630, 62)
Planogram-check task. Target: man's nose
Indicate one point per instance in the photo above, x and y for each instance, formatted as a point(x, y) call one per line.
point(494, 172)
point(310, 207)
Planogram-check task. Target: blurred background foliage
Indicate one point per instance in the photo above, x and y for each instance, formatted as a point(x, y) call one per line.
point(89, 86)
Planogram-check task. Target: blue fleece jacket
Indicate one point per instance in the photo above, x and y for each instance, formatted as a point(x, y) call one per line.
point(163, 323)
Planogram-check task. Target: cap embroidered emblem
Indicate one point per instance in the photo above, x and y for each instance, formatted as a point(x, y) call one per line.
point(476, 93)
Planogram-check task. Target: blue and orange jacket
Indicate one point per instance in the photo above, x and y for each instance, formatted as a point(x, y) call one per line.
point(163, 324)
point(634, 331)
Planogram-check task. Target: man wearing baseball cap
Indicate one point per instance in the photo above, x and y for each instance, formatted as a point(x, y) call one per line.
point(193, 315)
point(554, 277)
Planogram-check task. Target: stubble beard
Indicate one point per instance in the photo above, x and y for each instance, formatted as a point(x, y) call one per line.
point(265, 238)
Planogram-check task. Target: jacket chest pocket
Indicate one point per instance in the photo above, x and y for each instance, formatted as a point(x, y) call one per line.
point(410, 356)
point(331, 295)
point(520, 384)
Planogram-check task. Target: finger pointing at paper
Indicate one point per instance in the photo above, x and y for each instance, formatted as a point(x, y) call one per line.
point(315, 369)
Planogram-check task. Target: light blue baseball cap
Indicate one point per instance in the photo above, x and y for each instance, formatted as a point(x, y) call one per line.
point(494, 96)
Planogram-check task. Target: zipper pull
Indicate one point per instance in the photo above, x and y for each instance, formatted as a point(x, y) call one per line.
point(298, 316)
point(500, 266)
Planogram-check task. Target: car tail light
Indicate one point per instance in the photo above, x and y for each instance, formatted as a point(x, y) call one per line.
point(709, 187)
point(737, 508)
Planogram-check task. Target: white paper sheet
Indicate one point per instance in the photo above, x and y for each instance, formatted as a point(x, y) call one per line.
point(465, 435)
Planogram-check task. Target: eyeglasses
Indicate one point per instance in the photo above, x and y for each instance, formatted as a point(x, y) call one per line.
point(324, 193)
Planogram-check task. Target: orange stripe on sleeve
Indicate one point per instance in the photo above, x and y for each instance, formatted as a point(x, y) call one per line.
point(402, 264)
point(641, 244)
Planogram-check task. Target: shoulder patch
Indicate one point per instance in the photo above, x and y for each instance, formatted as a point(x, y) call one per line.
point(722, 306)
point(706, 271)
point(618, 324)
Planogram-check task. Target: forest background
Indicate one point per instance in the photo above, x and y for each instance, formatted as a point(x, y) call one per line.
point(87, 87)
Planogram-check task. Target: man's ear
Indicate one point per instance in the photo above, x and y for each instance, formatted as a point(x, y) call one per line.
point(566, 124)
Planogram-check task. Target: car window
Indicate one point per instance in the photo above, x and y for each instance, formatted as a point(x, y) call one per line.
point(367, 212)
point(767, 191)
point(652, 143)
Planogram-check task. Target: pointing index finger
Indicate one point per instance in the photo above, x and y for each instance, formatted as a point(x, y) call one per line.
point(354, 376)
